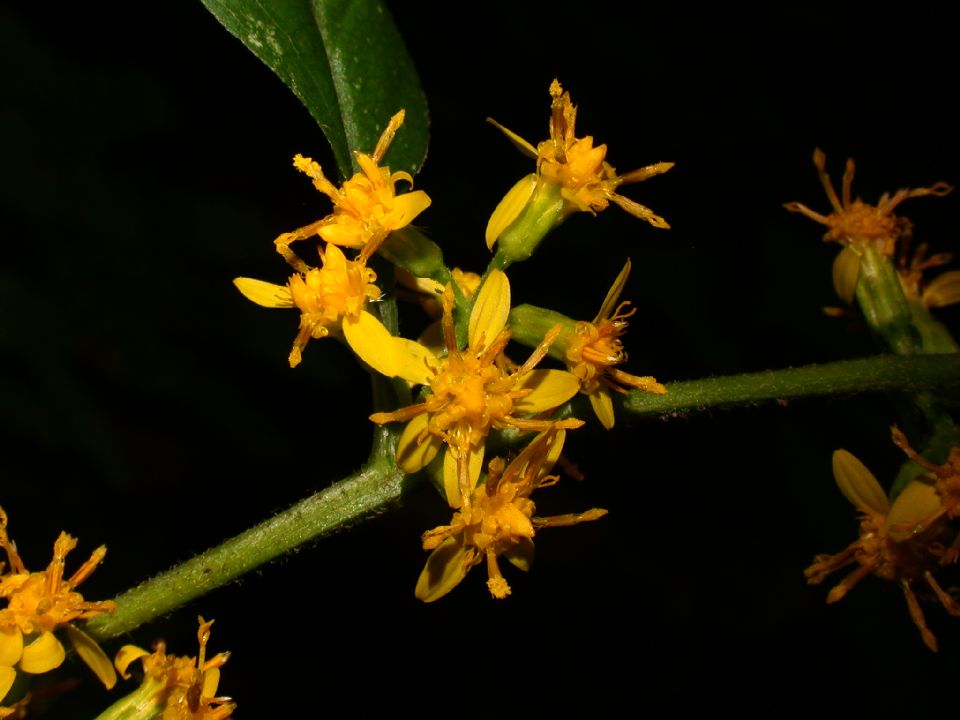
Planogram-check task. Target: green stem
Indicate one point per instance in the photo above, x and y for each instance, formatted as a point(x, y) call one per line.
point(368, 491)
point(881, 373)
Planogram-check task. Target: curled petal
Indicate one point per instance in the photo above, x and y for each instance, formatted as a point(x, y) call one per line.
point(126, 656)
point(42, 655)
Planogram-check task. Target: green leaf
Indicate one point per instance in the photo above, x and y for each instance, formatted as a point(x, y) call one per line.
point(346, 62)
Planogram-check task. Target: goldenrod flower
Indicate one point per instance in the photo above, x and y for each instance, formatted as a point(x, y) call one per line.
point(471, 391)
point(331, 300)
point(185, 687)
point(945, 480)
point(366, 209)
point(37, 603)
point(898, 542)
point(941, 291)
point(586, 181)
point(855, 223)
point(498, 520)
point(594, 349)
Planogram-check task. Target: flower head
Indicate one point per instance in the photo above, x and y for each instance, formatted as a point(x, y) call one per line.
point(331, 300)
point(366, 208)
point(594, 349)
point(898, 542)
point(185, 687)
point(855, 223)
point(498, 520)
point(586, 181)
point(37, 604)
point(472, 391)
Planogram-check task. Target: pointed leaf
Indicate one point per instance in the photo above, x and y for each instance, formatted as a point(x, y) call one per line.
point(346, 62)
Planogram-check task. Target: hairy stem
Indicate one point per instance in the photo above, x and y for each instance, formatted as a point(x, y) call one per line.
point(874, 374)
point(362, 494)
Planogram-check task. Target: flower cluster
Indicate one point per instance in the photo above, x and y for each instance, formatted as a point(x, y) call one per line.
point(333, 298)
point(572, 175)
point(466, 389)
point(39, 603)
point(497, 521)
point(175, 687)
point(905, 541)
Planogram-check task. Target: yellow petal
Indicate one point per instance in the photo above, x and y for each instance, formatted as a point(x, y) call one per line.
point(521, 554)
point(127, 655)
point(93, 655)
point(858, 484)
point(846, 273)
point(388, 355)
point(11, 648)
point(917, 503)
point(412, 457)
point(343, 233)
point(490, 311)
point(943, 291)
point(613, 294)
point(406, 207)
point(509, 208)
point(264, 293)
point(7, 676)
point(445, 568)
point(603, 407)
point(451, 478)
point(211, 681)
point(551, 388)
point(42, 655)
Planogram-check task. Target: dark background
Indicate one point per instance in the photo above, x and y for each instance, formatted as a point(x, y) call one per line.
point(148, 406)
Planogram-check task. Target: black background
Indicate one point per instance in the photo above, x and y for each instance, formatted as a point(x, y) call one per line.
point(148, 406)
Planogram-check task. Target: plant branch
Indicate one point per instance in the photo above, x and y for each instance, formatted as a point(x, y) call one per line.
point(874, 374)
point(366, 492)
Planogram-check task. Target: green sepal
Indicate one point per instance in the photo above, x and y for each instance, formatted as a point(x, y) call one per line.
point(883, 303)
point(413, 251)
point(542, 213)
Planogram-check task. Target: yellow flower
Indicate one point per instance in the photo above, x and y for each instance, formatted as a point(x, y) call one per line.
point(899, 542)
point(587, 182)
point(331, 300)
point(37, 603)
point(941, 291)
point(472, 391)
point(185, 687)
point(366, 208)
point(855, 223)
point(498, 520)
point(594, 349)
